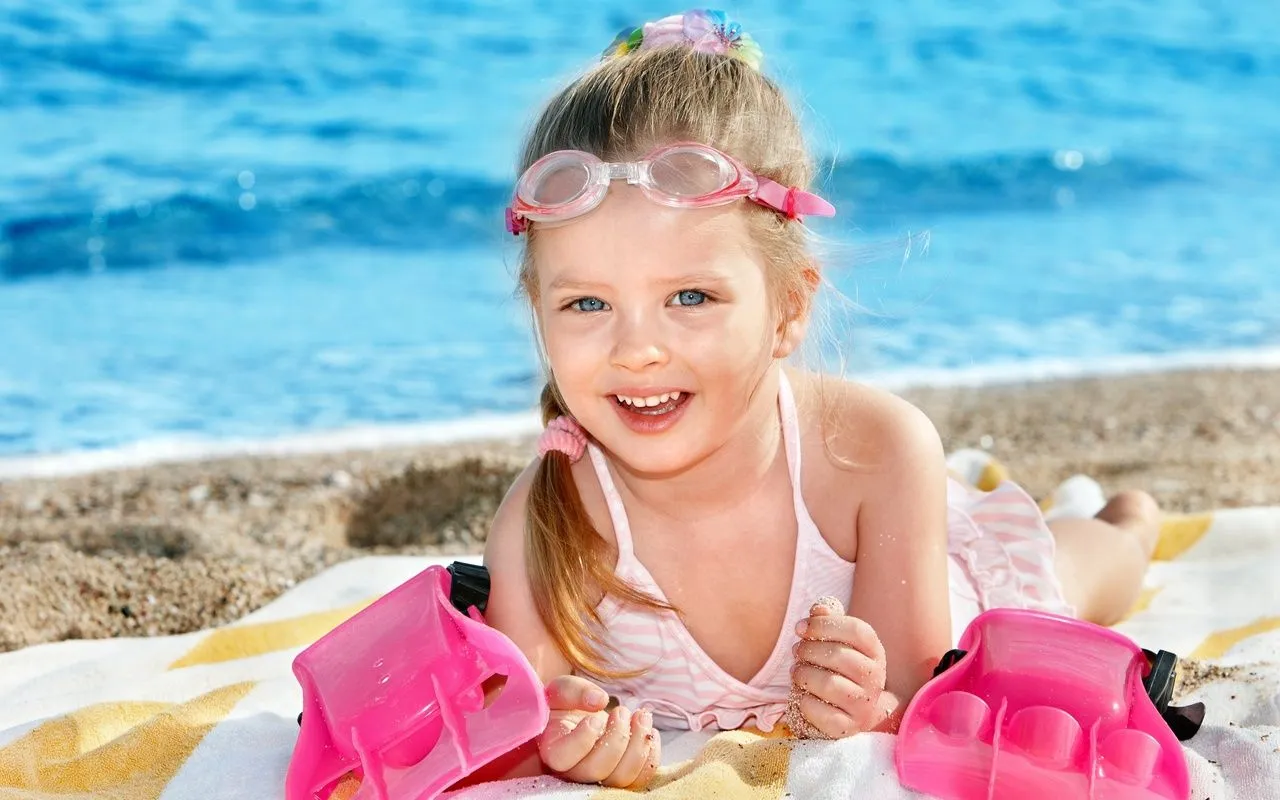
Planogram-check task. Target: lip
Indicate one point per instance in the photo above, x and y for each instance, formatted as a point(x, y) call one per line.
point(649, 391)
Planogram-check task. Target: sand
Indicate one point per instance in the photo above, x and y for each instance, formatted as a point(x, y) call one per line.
point(1194, 674)
point(178, 547)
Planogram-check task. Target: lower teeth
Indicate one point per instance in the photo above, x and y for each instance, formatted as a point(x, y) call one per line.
point(653, 411)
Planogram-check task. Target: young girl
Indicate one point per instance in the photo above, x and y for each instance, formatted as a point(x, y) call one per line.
point(693, 500)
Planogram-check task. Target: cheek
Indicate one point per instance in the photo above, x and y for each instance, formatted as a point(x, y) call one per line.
point(558, 345)
point(734, 349)
point(750, 329)
point(571, 349)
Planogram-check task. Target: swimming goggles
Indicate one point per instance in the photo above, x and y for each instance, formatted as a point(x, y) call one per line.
point(566, 184)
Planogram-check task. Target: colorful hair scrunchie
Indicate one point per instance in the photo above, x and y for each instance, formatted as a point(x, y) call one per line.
point(704, 31)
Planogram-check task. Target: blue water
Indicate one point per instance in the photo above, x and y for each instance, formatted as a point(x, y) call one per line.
point(262, 218)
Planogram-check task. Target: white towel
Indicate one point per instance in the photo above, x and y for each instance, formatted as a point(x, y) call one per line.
point(212, 714)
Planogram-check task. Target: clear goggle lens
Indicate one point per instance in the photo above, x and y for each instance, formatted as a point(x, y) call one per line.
point(689, 173)
point(558, 183)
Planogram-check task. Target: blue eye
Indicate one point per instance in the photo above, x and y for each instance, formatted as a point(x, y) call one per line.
point(690, 297)
point(588, 304)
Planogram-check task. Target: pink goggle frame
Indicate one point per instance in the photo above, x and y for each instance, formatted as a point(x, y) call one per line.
point(566, 184)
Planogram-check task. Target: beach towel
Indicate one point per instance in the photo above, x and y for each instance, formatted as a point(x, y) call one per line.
point(212, 714)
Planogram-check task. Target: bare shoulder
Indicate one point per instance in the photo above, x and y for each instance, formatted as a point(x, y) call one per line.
point(859, 441)
point(504, 547)
point(862, 428)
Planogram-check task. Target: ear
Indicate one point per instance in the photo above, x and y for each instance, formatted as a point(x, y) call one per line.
point(795, 321)
point(790, 335)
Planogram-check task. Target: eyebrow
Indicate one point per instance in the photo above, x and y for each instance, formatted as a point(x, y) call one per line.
point(702, 278)
point(569, 284)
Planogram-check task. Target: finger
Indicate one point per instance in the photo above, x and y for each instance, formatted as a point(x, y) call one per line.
point(831, 688)
point(603, 759)
point(827, 606)
point(570, 692)
point(842, 660)
point(652, 762)
point(829, 720)
point(849, 630)
point(565, 743)
point(636, 756)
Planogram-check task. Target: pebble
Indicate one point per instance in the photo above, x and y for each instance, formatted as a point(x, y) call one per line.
point(257, 500)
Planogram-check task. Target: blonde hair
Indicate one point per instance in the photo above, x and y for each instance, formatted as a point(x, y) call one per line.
point(619, 111)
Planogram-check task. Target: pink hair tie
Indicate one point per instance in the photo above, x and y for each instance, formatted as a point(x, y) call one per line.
point(563, 435)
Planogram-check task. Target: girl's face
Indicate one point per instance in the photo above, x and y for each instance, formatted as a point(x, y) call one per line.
point(659, 326)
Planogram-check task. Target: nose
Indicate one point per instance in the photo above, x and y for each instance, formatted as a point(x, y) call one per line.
point(638, 344)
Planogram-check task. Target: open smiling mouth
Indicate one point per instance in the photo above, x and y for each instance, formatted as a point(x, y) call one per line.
point(653, 413)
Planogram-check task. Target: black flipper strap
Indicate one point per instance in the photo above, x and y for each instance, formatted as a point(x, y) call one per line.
point(949, 660)
point(470, 586)
point(1184, 721)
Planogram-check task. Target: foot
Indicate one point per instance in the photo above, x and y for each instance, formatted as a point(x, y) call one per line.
point(1136, 513)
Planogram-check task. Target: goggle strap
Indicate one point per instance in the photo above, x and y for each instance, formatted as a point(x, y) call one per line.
point(791, 201)
point(516, 224)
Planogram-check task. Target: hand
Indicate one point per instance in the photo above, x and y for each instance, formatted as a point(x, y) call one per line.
point(840, 672)
point(586, 744)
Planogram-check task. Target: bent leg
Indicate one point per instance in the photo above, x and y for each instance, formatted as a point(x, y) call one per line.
point(1101, 561)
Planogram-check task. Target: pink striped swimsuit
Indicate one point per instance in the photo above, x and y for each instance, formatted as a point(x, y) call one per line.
point(998, 558)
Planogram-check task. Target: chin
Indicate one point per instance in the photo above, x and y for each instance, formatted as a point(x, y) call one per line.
point(652, 458)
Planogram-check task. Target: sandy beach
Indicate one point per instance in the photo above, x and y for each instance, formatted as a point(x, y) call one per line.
point(172, 548)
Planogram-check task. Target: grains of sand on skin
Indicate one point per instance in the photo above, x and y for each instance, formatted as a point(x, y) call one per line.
point(794, 719)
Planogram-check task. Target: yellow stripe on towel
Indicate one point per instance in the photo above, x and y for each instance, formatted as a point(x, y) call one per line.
point(1217, 644)
point(255, 639)
point(1179, 533)
point(125, 750)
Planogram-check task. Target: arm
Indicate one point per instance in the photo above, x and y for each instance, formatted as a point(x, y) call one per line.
point(582, 742)
point(859, 669)
point(511, 611)
point(901, 589)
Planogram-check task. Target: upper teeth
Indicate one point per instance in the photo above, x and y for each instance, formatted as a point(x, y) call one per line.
point(644, 402)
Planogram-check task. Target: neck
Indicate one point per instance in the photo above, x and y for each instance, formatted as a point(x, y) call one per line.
point(726, 478)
